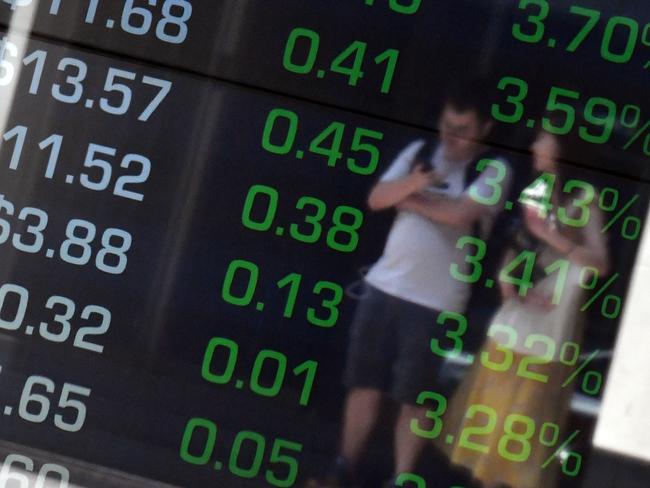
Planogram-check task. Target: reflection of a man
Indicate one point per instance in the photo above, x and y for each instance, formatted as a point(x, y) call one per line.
point(516, 387)
point(389, 351)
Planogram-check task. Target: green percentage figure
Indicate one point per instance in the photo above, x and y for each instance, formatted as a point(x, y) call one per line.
point(565, 455)
point(608, 202)
point(645, 40)
point(592, 381)
point(631, 119)
point(611, 305)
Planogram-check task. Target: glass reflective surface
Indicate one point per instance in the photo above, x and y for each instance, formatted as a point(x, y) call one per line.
point(361, 244)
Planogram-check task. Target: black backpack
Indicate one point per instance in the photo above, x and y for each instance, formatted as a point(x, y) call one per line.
point(424, 157)
point(483, 301)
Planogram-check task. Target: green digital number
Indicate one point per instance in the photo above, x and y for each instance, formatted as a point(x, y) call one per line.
point(587, 193)
point(515, 100)
point(562, 267)
point(405, 478)
point(342, 236)
point(330, 304)
point(353, 54)
point(473, 259)
point(271, 207)
point(524, 282)
point(390, 56)
point(511, 437)
point(258, 442)
point(441, 407)
point(401, 7)
point(593, 16)
point(309, 368)
point(538, 193)
point(545, 358)
point(633, 34)
point(211, 430)
point(536, 20)
point(293, 280)
point(290, 463)
point(270, 126)
point(454, 335)
point(341, 228)
point(252, 272)
point(313, 40)
point(607, 121)
point(333, 152)
point(313, 219)
point(411, 7)
point(359, 145)
point(493, 182)
point(503, 347)
point(479, 430)
point(281, 128)
point(555, 105)
point(356, 51)
point(206, 368)
point(280, 370)
point(246, 455)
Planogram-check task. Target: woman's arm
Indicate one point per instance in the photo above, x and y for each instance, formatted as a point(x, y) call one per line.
point(592, 251)
point(508, 290)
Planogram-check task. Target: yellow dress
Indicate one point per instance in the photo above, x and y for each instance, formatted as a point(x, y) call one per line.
point(488, 399)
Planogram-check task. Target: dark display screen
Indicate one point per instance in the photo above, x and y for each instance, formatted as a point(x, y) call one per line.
point(321, 244)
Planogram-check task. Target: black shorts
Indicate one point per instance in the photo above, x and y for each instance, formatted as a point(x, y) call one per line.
point(390, 347)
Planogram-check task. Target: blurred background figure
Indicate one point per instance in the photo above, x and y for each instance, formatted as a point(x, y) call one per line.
point(389, 353)
point(516, 386)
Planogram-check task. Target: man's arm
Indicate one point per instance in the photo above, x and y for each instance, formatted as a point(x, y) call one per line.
point(387, 194)
point(462, 210)
point(455, 212)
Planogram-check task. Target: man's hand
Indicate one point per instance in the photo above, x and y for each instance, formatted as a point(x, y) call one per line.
point(420, 179)
point(387, 194)
point(455, 212)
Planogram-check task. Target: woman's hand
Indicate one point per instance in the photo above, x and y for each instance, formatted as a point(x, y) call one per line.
point(538, 300)
point(545, 230)
point(532, 298)
point(508, 291)
point(537, 225)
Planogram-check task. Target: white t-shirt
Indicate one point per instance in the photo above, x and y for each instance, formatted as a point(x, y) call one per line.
point(418, 253)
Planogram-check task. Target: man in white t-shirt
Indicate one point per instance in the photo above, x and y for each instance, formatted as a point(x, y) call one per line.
point(434, 192)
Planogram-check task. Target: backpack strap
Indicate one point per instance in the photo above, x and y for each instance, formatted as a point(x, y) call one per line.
point(471, 173)
point(424, 155)
point(470, 176)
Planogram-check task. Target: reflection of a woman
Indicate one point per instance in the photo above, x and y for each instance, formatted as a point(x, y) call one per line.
point(505, 392)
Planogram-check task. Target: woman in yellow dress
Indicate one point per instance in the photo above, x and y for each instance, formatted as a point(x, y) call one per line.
point(513, 391)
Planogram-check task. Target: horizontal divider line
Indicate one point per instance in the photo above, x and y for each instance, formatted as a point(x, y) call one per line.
point(188, 71)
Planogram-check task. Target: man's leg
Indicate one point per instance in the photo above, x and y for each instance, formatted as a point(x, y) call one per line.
point(360, 416)
point(367, 373)
point(416, 370)
point(409, 446)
